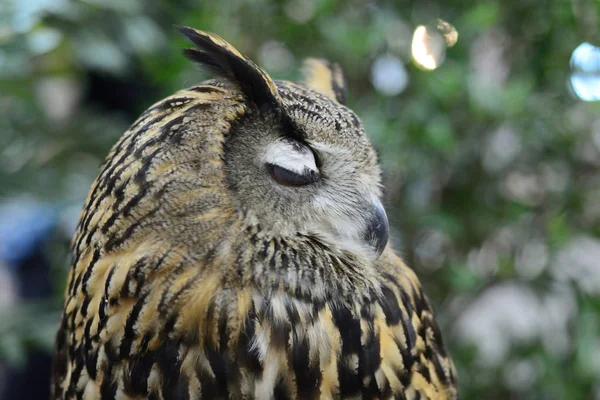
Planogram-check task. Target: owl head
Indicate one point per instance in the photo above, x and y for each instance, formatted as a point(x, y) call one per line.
point(298, 161)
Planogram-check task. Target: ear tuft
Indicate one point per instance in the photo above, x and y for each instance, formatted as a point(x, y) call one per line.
point(325, 78)
point(222, 59)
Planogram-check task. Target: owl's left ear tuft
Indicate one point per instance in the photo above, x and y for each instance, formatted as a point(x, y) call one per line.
point(325, 78)
point(222, 59)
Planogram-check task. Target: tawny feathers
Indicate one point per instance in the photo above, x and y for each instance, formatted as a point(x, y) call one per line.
point(207, 266)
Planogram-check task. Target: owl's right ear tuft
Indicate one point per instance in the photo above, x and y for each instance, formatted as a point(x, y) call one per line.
point(325, 78)
point(222, 59)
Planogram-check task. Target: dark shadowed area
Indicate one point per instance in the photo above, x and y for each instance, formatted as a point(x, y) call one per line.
point(485, 116)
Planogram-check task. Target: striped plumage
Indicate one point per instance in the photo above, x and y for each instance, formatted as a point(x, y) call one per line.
point(193, 279)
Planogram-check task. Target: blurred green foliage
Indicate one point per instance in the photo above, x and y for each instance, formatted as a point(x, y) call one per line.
point(491, 162)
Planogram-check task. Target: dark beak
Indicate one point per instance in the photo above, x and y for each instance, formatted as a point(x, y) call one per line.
point(378, 230)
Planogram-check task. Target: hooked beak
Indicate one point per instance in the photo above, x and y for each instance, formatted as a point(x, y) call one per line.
point(377, 232)
point(362, 230)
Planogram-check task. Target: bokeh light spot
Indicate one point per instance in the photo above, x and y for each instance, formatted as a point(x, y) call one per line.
point(585, 76)
point(428, 48)
point(388, 75)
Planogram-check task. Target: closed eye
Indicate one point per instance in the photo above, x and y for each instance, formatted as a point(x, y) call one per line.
point(290, 162)
point(290, 178)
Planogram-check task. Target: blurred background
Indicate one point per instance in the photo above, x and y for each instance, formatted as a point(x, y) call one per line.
point(485, 116)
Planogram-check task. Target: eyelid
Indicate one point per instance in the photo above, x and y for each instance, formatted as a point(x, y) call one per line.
point(316, 156)
point(291, 154)
point(286, 177)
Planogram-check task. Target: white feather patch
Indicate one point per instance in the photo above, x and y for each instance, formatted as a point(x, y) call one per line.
point(290, 155)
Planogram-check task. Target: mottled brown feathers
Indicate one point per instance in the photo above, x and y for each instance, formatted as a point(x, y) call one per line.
point(187, 281)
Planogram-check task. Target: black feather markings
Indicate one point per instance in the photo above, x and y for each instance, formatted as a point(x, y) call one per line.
point(222, 59)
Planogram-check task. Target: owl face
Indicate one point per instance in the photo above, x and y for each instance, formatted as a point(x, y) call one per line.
point(312, 174)
point(296, 160)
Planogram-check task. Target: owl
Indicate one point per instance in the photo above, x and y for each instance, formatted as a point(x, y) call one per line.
point(234, 246)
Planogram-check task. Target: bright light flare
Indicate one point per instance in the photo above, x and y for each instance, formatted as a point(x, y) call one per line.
point(420, 50)
point(425, 48)
point(585, 76)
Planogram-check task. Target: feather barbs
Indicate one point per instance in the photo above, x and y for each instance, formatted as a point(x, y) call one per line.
point(225, 61)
